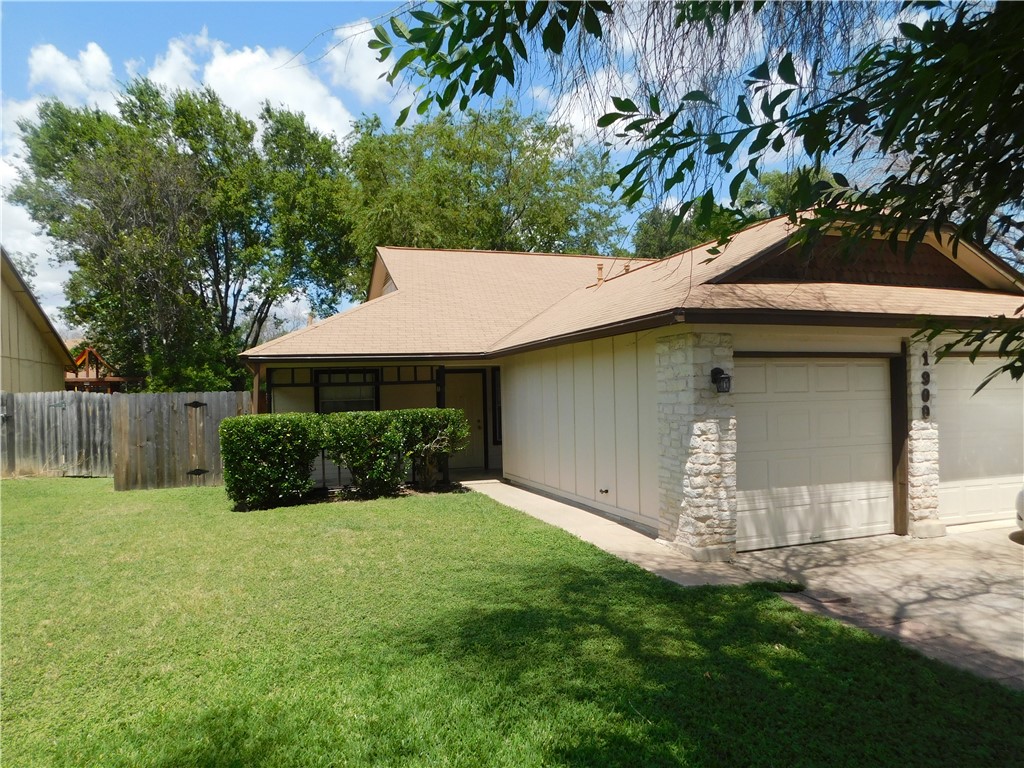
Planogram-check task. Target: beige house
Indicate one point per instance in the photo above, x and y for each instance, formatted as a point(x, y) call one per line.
point(600, 381)
point(33, 355)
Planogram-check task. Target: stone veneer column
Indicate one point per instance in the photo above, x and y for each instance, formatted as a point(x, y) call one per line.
point(697, 437)
point(922, 445)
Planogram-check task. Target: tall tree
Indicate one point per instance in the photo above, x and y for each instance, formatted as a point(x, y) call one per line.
point(184, 226)
point(658, 233)
point(493, 180)
point(833, 82)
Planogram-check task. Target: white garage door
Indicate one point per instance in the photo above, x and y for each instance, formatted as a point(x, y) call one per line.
point(814, 461)
point(981, 442)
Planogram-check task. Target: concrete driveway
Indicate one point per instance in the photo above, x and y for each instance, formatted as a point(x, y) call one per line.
point(959, 598)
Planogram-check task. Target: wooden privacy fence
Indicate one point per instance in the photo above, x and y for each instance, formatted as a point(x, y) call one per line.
point(163, 440)
point(170, 439)
point(56, 433)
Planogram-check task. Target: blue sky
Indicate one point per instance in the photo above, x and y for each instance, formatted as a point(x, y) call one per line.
point(293, 54)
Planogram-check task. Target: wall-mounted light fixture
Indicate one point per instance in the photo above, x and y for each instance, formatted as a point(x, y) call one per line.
point(721, 380)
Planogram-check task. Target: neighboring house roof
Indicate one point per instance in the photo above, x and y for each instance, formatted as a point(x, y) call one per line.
point(23, 295)
point(477, 303)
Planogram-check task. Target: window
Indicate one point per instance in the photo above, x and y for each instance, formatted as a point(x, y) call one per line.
point(348, 397)
point(349, 389)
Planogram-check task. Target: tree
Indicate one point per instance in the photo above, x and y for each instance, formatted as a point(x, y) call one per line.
point(494, 180)
point(773, 193)
point(183, 227)
point(842, 83)
point(659, 234)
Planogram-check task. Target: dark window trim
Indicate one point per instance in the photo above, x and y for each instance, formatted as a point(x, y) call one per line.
point(317, 384)
point(496, 405)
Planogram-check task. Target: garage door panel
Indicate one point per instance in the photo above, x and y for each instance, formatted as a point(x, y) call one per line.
point(871, 377)
point(749, 378)
point(832, 378)
point(872, 422)
point(822, 468)
point(790, 378)
point(833, 424)
point(981, 442)
point(835, 469)
point(790, 426)
point(751, 425)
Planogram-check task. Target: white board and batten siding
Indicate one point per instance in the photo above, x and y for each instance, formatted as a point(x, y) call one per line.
point(580, 423)
point(814, 457)
point(981, 442)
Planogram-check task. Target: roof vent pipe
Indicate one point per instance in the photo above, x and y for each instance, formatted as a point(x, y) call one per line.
point(625, 268)
point(600, 273)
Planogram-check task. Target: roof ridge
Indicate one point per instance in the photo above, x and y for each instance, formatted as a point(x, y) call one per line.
point(512, 253)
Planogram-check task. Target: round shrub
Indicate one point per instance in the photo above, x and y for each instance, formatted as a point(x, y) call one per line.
point(268, 458)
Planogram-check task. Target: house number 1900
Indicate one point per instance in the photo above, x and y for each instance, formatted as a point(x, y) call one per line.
point(926, 395)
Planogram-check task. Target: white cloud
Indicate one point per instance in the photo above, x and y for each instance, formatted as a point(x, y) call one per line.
point(89, 79)
point(580, 108)
point(176, 68)
point(354, 66)
point(21, 235)
point(247, 77)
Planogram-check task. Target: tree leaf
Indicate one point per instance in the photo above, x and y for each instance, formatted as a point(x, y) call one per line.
point(624, 105)
point(399, 27)
point(698, 96)
point(554, 36)
point(786, 70)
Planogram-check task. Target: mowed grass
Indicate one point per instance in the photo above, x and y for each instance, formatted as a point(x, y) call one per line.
point(161, 629)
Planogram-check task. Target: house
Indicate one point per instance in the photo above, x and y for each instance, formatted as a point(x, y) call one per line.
point(600, 381)
point(34, 356)
point(92, 373)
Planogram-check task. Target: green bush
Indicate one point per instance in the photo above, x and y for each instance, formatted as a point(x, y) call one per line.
point(372, 445)
point(431, 435)
point(268, 458)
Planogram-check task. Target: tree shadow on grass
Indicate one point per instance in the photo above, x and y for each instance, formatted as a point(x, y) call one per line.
point(632, 670)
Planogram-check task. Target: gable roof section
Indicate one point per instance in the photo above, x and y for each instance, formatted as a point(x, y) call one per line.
point(694, 286)
point(445, 304)
point(28, 302)
point(484, 303)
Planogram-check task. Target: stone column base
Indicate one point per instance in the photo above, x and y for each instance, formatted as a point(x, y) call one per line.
point(716, 553)
point(927, 529)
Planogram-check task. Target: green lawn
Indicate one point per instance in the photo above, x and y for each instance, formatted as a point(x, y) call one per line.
point(159, 628)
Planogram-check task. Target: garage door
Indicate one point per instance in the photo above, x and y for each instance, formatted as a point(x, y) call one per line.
point(981, 442)
point(814, 461)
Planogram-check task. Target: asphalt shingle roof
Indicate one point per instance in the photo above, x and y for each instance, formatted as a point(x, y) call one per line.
point(472, 303)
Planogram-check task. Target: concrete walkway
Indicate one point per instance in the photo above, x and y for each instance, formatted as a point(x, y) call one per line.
point(958, 599)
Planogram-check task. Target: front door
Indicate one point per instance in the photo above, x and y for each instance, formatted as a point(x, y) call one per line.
point(465, 390)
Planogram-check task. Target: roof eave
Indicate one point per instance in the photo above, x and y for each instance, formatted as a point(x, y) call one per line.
point(835, 319)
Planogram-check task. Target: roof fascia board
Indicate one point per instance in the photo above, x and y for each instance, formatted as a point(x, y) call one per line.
point(384, 357)
point(833, 319)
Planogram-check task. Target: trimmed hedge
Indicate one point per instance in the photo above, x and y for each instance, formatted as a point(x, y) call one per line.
point(372, 445)
point(268, 458)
